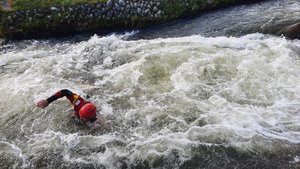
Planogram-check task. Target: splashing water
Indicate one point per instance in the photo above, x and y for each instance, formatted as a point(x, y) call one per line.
point(175, 103)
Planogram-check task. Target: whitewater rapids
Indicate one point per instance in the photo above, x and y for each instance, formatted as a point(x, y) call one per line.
point(172, 102)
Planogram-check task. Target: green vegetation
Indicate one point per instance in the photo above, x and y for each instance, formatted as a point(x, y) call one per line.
point(173, 10)
point(35, 19)
point(176, 8)
point(30, 4)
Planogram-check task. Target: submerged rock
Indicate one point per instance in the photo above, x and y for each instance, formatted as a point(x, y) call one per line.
point(292, 31)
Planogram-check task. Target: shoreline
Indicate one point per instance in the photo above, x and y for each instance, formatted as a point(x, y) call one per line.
point(105, 17)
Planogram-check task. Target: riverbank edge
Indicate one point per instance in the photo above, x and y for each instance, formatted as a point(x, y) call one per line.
point(110, 16)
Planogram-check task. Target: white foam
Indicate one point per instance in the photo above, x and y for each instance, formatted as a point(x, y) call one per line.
point(241, 92)
point(18, 152)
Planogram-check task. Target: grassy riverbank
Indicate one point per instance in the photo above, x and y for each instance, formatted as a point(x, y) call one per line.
point(49, 18)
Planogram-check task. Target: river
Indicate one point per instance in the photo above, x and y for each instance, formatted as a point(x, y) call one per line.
point(202, 92)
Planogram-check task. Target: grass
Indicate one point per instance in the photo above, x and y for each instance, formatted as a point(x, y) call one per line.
point(176, 8)
point(31, 4)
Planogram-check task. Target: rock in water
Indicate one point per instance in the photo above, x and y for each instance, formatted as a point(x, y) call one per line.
point(292, 31)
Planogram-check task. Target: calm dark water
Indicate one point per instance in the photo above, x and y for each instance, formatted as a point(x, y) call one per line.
point(266, 17)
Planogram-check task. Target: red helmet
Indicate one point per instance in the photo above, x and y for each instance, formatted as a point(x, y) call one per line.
point(88, 111)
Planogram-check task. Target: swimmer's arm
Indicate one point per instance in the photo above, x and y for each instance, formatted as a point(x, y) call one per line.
point(62, 93)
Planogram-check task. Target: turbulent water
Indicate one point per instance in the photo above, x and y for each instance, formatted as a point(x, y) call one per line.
point(185, 102)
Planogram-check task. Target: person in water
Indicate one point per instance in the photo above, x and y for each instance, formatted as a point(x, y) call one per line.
point(84, 111)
